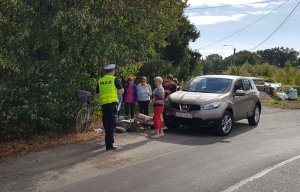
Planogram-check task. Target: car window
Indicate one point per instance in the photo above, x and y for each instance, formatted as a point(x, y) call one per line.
point(259, 82)
point(208, 85)
point(247, 84)
point(238, 85)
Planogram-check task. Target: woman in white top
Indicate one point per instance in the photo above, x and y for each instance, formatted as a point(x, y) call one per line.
point(144, 92)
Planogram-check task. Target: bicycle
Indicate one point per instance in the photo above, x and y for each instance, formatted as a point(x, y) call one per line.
point(84, 116)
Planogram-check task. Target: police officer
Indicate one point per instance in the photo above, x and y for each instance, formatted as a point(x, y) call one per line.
point(108, 89)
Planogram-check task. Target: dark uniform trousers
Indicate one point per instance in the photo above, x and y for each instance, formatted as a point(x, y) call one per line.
point(109, 112)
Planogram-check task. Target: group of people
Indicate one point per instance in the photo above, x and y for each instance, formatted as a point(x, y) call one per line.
point(141, 94)
point(111, 92)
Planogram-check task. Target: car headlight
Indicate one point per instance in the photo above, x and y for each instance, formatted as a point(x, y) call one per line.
point(212, 105)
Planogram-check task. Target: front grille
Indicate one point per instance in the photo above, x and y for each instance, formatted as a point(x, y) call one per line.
point(183, 106)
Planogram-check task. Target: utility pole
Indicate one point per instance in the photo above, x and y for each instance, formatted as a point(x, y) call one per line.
point(234, 50)
point(234, 56)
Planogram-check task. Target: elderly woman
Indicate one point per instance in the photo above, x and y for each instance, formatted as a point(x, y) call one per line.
point(144, 92)
point(158, 105)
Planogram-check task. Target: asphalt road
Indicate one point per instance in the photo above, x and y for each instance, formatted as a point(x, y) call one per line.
point(263, 158)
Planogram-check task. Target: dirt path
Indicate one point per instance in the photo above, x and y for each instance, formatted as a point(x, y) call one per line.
point(21, 147)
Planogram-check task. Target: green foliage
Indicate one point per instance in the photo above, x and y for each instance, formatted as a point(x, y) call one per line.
point(125, 71)
point(243, 57)
point(196, 66)
point(297, 79)
point(184, 61)
point(288, 75)
point(240, 71)
point(274, 102)
point(50, 49)
point(213, 64)
point(279, 56)
point(154, 68)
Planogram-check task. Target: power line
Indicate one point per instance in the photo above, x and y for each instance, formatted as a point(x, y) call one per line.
point(222, 6)
point(280, 25)
point(232, 34)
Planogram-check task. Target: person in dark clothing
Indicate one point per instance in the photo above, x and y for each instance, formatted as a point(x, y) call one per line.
point(107, 91)
point(130, 97)
point(169, 85)
point(177, 85)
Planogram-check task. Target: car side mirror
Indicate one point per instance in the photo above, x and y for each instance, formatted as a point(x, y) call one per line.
point(240, 93)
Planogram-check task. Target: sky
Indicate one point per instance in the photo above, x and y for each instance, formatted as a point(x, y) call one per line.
point(217, 22)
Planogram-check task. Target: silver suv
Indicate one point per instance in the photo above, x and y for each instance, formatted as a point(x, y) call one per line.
point(213, 100)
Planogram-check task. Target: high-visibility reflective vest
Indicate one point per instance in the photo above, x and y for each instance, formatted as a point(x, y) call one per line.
point(108, 90)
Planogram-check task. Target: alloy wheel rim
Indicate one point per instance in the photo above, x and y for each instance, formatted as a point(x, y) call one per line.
point(226, 123)
point(256, 115)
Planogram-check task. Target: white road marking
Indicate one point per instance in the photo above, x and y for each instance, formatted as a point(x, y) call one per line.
point(260, 174)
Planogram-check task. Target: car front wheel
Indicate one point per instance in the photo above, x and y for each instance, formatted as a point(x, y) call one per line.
point(224, 126)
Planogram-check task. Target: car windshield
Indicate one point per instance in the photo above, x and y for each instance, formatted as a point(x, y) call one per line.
point(208, 85)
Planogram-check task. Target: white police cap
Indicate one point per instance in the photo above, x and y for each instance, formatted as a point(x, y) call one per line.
point(110, 67)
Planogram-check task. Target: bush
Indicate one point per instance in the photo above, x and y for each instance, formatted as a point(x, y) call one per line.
point(288, 75)
point(50, 49)
point(155, 68)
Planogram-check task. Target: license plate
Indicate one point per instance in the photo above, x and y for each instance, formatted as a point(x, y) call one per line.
point(183, 115)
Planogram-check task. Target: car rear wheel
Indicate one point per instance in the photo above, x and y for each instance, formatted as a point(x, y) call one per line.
point(254, 119)
point(224, 126)
point(169, 123)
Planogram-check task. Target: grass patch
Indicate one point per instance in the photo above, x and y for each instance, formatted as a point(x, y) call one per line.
point(274, 102)
point(287, 104)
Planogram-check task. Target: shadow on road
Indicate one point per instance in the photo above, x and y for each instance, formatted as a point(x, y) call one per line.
point(203, 136)
point(135, 145)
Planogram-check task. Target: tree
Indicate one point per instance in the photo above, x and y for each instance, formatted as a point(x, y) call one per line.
point(244, 56)
point(279, 56)
point(50, 49)
point(298, 63)
point(288, 75)
point(213, 64)
point(184, 60)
